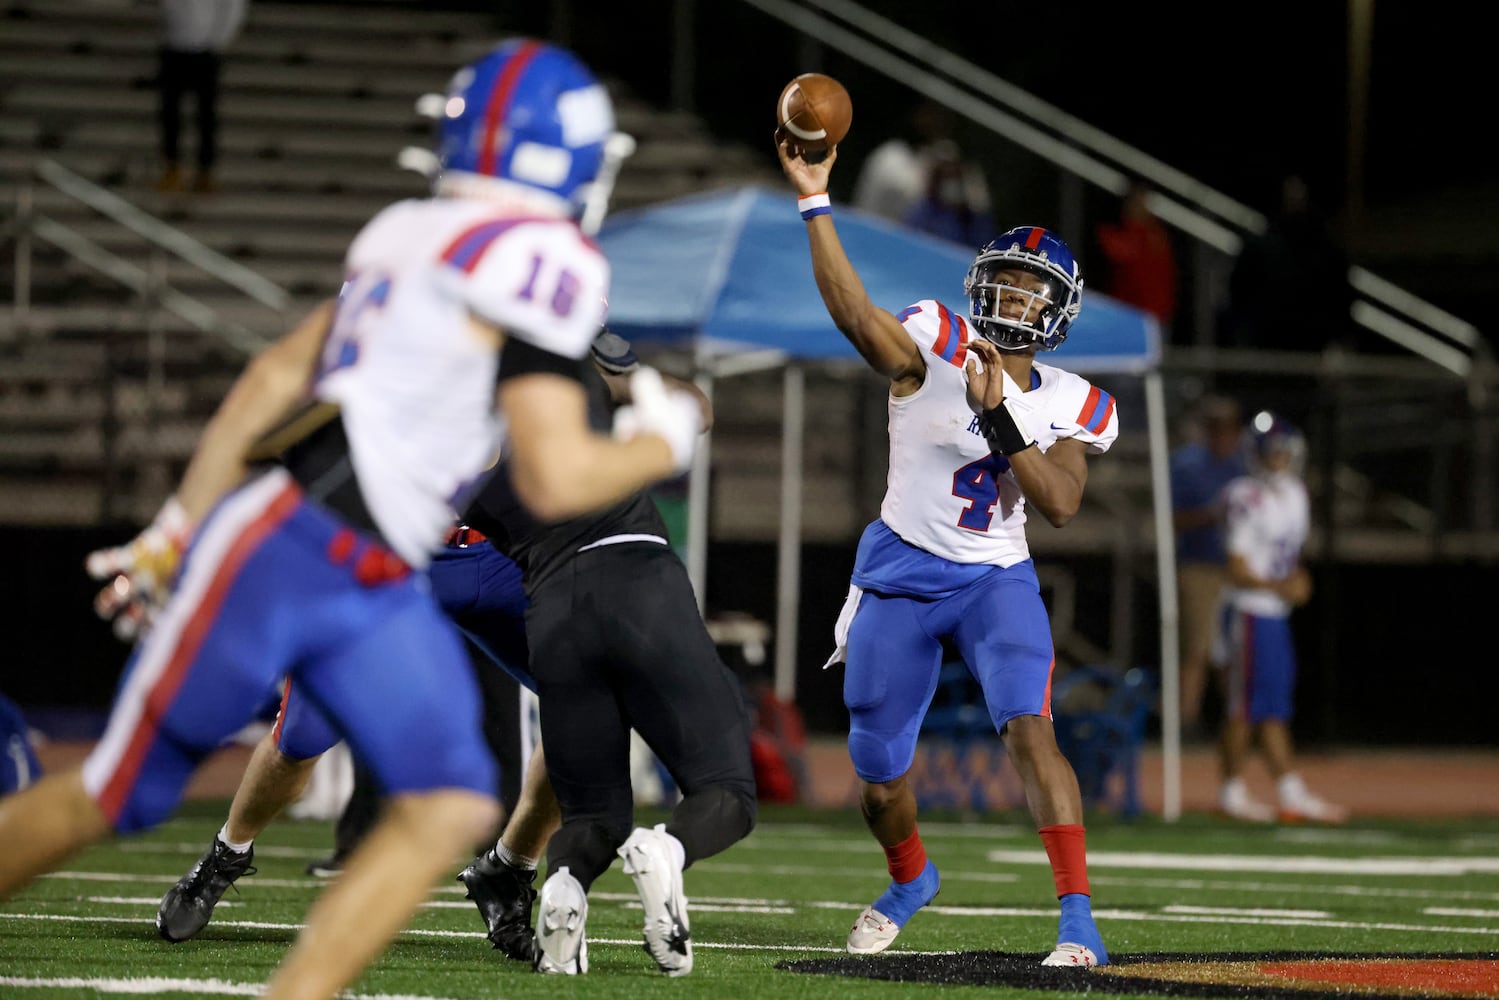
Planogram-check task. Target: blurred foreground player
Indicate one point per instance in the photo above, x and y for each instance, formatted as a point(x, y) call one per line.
point(374, 418)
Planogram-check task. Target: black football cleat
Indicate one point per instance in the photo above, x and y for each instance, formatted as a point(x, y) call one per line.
point(188, 905)
point(504, 895)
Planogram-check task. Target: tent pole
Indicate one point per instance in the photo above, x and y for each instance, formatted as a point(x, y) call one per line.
point(1165, 551)
point(789, 558)
point(697, 505)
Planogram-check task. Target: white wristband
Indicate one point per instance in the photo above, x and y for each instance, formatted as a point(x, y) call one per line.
point(813, 205)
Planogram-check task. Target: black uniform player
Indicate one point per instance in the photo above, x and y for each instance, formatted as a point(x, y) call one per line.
point(617, 643)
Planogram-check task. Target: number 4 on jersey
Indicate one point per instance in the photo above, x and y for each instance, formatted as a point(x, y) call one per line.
point(978, 483)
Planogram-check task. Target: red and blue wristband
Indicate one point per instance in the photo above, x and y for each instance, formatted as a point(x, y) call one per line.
point(813, 205)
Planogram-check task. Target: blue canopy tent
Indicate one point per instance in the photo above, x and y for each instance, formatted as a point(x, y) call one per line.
point(725, 276)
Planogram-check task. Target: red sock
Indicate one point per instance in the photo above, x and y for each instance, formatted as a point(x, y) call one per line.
point(907, 859)
point(1066, 846)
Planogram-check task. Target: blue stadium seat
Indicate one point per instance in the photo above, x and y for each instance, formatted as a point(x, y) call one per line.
point(1100, 715)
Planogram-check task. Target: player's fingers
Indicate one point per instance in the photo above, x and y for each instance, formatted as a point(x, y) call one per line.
point(114, 596)
point(128, 624)
point(102, 564)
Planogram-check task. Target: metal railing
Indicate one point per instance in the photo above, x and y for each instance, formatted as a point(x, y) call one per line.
point(136, 344)
point(1217, 224)
point(162, 241)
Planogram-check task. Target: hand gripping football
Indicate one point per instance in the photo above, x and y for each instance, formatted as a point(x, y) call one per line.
point(814, 111)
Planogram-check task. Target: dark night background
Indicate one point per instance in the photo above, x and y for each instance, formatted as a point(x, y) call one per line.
point(1234, 95)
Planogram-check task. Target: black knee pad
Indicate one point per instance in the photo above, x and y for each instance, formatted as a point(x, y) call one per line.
point(713, 819)
point(587, 848)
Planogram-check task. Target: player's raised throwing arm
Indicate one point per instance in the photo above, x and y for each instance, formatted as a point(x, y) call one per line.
point(875, 333)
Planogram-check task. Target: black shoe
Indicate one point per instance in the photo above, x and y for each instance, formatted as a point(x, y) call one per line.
point(186, 907)
point(504, 895)
point(330, 867)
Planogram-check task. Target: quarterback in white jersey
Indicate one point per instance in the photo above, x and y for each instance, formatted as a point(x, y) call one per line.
point(978, 430)
point(947, 492)
point(1267, 521)
point(326, 477)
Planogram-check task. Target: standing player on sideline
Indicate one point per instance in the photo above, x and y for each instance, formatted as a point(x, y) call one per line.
point(977, 429)
point(1268, 517)
point(376, 418)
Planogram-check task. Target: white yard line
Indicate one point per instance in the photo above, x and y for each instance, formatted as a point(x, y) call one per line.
point(152, 986)
point(1272, 864)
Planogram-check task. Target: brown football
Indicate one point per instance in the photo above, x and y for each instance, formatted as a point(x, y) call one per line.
point(815, 112)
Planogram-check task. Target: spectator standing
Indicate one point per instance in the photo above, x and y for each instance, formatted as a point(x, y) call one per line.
point(1268, 518)
point(1139, 260)
point(955, 205)
point(1288, 290)
point(195, 34)
point(1200, 468)
point(896, 175)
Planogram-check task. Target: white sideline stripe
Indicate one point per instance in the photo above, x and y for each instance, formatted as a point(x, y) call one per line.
point(1049, 914)
point(1119, 881)
point(870, 873)
point(144, 901)
point(154, 985)
point(1235, 911)
point(1452, 911)
point(1282, 888)
point(1271, 865)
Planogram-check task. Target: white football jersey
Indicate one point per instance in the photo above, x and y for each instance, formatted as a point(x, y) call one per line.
point(946, 492)
point(1267, 524)
point(415, 378)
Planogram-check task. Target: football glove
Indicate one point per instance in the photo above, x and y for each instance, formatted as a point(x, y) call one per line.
point(139, 574)
point(657, 408)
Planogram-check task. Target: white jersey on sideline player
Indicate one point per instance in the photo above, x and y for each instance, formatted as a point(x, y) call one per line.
point(1268, 518)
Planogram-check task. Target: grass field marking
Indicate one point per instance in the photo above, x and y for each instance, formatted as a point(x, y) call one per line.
point(153, 985)
point(1452, 911)
point(869, 872)
point(1318, 889)
point(168, 880)
point(142, 901)
point(1111, 881)
point(1275, 865)
point(1247, 912)
point(1048, 914)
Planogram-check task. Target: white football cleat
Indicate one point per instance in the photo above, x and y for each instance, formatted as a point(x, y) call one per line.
point(1236, 803)
point(1072, 955)
point(1308, 808)
point(872, 933)
point(651, 862)
point(561, 948)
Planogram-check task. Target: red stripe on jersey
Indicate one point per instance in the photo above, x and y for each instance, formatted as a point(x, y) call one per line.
point(1034, 239)
point(1090, 410)
point(1046, 700)
point(945, 347)
point(944, 325)
point(281, 712)
point(499, 100)
point(159, 699)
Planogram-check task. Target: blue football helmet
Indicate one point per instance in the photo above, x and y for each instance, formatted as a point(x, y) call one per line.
point(528, 113)
point(1041, 254)
point(1271, 435)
